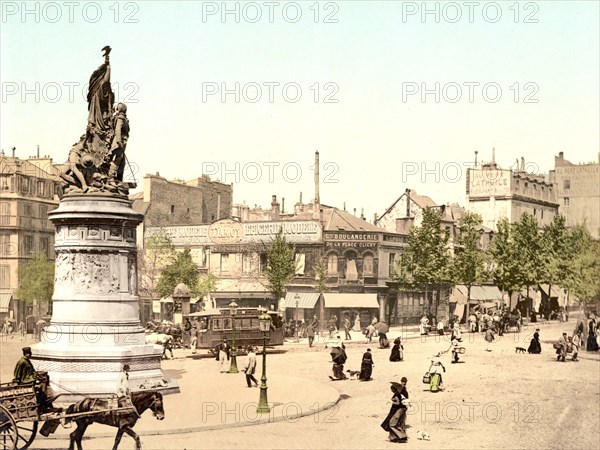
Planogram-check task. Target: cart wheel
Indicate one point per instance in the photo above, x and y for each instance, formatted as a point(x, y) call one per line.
point(8, 430)
point(26, 432)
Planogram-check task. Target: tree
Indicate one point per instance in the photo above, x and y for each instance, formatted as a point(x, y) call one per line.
point(426, 260)
point(181, 270)
point(206, 285)
point(557, 253)
point(585, 280)
point(36, 282)
point(530, 252)
point(281, 265)
point(505, 261)
point(469, 258)
point(158, 253)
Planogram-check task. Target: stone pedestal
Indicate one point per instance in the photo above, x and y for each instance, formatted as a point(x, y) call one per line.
point(95, 326)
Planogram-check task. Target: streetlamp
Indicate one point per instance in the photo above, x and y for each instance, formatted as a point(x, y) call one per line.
point(233, 306)
point(264, 321)
point(297, 298)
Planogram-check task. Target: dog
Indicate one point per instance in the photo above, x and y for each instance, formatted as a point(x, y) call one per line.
point(520, 350)
point(423, 435)
point(353, 373)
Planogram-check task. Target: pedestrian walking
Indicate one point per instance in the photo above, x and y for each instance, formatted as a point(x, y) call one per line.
point(187, 333)
point(440, 327)
point(535, 347)
point(356, 326)
point(435, 374)
point(561, 348)
point(370, 332)
point(576, 341)
point(423, 325)
point(123, 390)
point(347, 328)
point(592, 342)
point(395, 422)
point(397, 353)
point(310, 332)
point(455, 350)
point(489, 338)
point(366, 367)
point(22, 330)
point(251, 367)
point(223, 355)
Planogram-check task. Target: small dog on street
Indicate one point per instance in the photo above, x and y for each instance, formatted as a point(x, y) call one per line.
point(520, 350)
point(353, 373)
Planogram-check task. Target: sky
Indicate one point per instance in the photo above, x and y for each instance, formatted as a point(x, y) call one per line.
point(393, 95)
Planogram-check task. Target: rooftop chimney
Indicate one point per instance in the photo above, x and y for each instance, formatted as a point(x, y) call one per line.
point(344, 206)
point(38, 151)
point(14, 149)
point(355, 212)
point(317, 196)
point(282, 205)
point(561, 155)
point(407, 203)
point(494, 156)
point(274, 208)
point(523, 163)
point(476, 157)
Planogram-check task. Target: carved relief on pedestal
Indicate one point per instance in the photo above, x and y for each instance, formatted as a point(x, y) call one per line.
point(132, 275)
point(87, 273)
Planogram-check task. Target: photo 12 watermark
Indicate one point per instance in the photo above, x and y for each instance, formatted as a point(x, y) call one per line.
point(470, 12)
point(269, 92)
point(490, 412)
point(66, 91)
point(70, 12)
point(270, 12)
point(469, 92)
point(267, 171)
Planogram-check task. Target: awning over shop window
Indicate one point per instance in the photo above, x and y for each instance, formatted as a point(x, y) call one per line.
point(306, 300)
point(5, 302)
point(478, 294)
point(351, 300)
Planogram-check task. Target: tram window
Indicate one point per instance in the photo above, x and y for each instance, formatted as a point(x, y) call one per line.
point(246, 324)
point(227, 324)
point(217, 324)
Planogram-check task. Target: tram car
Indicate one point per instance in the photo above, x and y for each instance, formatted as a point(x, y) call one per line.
point(216, 325)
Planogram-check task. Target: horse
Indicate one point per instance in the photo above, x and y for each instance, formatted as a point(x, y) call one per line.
point(165, 340)
point(123, 420)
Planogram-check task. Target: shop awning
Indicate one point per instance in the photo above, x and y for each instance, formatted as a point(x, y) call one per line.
point(306, 300)
point(351, 300)
point(5, 302)
point(458, 296)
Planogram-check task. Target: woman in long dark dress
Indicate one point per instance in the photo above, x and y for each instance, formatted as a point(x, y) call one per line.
point(397, 354)
point(366, 367)
point(592, 342)
point(535, 346)
point(395, 422)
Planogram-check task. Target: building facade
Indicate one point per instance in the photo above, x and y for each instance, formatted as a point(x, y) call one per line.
point(28, 191)
point(578, 192)
point(497, 193)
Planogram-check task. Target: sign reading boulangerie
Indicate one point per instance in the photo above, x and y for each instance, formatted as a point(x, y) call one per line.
point(229, 231)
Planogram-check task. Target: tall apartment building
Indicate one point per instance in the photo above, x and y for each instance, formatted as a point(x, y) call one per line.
point(578, 192)
point(497, 193)
point(28, 190)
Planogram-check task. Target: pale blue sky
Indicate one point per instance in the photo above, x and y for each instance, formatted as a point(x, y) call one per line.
point(371, 55)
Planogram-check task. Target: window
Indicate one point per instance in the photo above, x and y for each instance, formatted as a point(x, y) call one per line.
point(534, 211)
point(351, 271)
point(5, 275)
point(4, 213)
point(172, 209)
point(300, 261)
point(264, 262)
point(28, 244)
point(4, 246)
point(45, 246)
point(246, 262)
point(223, 262)
point(392, 260)
point(27, 210)
point(41, 188)
point(332, 264)
point(566, 184)
point(566, 201)
point(368, 265)
point(25, 185)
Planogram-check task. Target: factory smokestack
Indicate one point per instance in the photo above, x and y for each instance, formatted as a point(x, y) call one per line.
point(317, 196)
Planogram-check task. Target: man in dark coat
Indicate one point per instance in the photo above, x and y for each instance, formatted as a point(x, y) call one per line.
point(366, 367)
point(24, 371)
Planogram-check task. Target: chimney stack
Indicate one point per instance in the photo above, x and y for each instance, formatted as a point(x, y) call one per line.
point(522, 163)
point(14, 149)
point(407, 203)
point(282, 205)
point(274, 208)
point(561, 155)
point(317, 196)
point(38, 151)
point(344, 206)
point(354, 212)
point(476, 157)
point(494, 156)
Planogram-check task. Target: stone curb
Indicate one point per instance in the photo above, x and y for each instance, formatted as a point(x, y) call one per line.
point(266, 418)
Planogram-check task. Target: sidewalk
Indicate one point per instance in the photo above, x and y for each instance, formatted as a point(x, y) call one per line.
point(210, 400)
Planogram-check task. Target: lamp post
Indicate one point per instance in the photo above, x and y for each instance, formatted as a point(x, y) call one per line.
point(233, 306)
point(264, 321)
point(297, 298)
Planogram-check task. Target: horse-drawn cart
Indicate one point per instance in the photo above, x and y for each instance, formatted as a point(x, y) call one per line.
point(22, 406)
